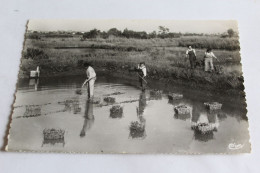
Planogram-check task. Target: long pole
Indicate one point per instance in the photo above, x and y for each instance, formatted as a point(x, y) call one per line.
point(142, 77)
point(86, 82)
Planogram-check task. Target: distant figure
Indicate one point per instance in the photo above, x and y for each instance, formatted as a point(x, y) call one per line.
point(142, 72)
point(192, 57)
point(35, 73)
point(208, 58)
point(91, 78)
point(89, 118)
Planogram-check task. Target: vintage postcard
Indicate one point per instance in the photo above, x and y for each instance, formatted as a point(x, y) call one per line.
point(130, 86)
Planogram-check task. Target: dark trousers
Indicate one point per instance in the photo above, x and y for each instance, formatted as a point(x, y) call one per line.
point(142, 83)
point(192, 62)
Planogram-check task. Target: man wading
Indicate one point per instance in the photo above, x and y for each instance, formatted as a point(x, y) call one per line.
point(91, 78)
point(141, 69)
point(192, 57)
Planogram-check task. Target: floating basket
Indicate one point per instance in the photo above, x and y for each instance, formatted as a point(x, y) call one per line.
point(95, 100)
point(137, 130)
point(53, 134)
point(156, 94)
point(204, 128)
point(110, 99)
point(213, 105)
point(182, 109)
point(32, 111)
point(116, 112)
point(175, 96)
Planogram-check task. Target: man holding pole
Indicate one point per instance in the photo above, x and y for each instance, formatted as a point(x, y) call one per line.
point(141, 69)
point(91, 78)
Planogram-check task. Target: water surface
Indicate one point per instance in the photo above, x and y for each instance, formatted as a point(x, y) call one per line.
point(89, 128)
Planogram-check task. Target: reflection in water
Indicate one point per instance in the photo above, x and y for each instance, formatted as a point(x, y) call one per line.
point(89, 118)
point(76, 108)
point(221, 115)
point(137, 128)
point(34, 82)
point(204, 123)
point(182, 116)
point(164, 133)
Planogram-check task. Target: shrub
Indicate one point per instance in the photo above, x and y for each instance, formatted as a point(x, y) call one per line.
point(35, 54)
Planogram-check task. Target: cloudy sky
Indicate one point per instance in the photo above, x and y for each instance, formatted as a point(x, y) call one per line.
point(213, 26)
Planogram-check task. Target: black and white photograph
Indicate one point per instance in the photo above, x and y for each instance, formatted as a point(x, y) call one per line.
point(130, 87)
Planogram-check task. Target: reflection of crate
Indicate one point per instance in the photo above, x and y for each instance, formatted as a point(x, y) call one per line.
point(110, 99)
point(32, 111)
point(182, 109)
point(53, 134)
point(76, 108)
point(175, 96)
point(204, 128)
point(203, 136)
point(213, 105)
point(116, 111)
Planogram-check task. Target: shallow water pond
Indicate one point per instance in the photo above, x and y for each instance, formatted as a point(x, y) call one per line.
point(148, 123)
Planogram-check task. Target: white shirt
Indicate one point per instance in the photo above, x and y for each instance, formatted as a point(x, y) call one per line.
point(187, 52)
point(90, 72)
point(143, 68)
point(210, 55)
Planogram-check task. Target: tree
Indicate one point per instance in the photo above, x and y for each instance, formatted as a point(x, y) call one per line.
point(163, 30)
point(115, 32)
point(230, 32)
point(153, 34)
point(91, 34)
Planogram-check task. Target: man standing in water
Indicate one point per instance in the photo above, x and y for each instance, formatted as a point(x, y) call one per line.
point(192, 56)
point(142, 74)
point(91, 78)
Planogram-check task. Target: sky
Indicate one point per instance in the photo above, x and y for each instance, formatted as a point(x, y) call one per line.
point(199, 26)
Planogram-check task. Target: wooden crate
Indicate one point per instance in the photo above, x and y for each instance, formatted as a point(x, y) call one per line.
point(110, 99)
point(32, 111)
point(156, 94)
point(213, 105)
point(116, 111)
point(137, 130)
point(175, 96)
point(50, 134)
point(182, 109)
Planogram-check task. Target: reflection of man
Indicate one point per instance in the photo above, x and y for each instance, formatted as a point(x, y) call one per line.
point(89, 118)
point(137, 129)
point(140, 109)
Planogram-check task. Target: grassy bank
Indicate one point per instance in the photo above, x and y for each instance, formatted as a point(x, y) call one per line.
point(165, 59)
